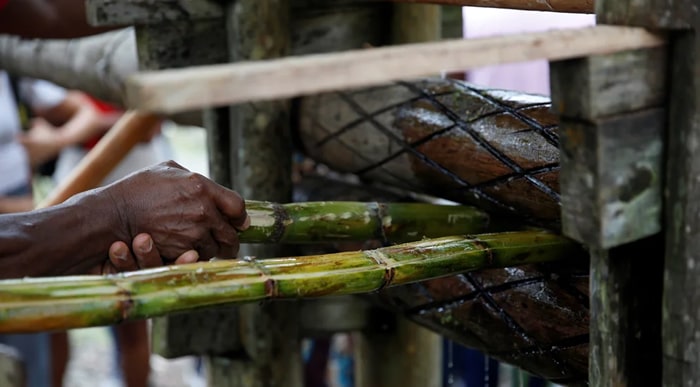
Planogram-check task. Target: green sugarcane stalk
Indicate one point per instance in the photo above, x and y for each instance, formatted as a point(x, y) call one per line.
point(355, 221)
point(30, 305)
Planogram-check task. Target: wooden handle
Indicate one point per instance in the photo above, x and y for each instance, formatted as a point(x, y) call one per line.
point(101, 160)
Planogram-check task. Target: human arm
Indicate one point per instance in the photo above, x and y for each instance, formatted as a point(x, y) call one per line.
point(16, 204)
point(74, 120)
point(179, 209)
point(50, 19)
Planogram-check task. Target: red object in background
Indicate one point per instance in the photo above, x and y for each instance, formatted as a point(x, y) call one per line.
point(3, 3)
point(104, 108)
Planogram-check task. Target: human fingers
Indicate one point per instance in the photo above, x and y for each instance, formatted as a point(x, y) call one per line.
point(231, 205)
point(147, 255)
point(207, 246)
point(190, 256)
point(120, 257)
point(225, 235)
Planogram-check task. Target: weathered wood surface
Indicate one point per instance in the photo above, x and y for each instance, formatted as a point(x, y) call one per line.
point(626, 291)
point(611, 178)
point(415, 23)
point(575, 6)
point(681, 321)
point(656, 14)
point(260, 160)
point(205, 86)
point(496, 149)
point(613, 122)
point(602, 85)
point(143, 12)
point(12, 372)
point(399, 353)
point(330, 26)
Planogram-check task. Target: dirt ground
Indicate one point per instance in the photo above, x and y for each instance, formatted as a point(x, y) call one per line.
point(92, 364)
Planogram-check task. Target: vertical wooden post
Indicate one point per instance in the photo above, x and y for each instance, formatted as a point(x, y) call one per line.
point(406, 354)
point(611, 182)
point(261, 169)
point(619, 354)
point(681, 302)
point(414, 23)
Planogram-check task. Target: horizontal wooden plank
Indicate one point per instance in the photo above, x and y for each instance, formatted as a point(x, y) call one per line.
point(597, 86)
point(191, 88)
point(142, 12)
point(576, 6)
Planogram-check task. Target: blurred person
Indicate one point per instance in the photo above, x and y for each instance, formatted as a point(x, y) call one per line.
point(16, 196)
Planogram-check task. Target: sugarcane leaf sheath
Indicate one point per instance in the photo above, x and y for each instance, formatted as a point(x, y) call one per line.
point(31, 305)
point(356, 221)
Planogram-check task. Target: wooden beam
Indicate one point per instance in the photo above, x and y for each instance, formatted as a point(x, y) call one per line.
point(143, 12)
point(197, 87)
point(612, 145)
point(575, 6)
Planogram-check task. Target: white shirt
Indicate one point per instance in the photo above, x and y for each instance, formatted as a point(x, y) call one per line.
point(14, 164)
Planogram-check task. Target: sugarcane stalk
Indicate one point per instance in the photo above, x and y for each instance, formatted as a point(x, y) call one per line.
point(313, 222)
point(38, 304)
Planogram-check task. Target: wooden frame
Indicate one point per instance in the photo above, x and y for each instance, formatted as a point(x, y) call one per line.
point(171, 91)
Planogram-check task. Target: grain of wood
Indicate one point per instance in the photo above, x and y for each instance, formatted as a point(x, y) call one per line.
point(205, 86)
point(576, 6)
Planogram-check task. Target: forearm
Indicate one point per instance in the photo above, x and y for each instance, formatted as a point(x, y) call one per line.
point(16, 204)
point(65, 239)
point(83, 126)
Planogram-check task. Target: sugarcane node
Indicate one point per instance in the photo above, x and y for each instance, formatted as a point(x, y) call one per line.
point(282, 218)
point(482, 245)
point(126, 303)
point(271, 289)
point(384, 229)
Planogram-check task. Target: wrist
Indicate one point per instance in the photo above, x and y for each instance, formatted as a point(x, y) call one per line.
point(64, 139)
point(101, 218)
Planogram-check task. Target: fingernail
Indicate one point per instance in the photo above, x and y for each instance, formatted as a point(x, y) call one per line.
point(148, 247)
point(194, 256)
point(120, 254)
point(246, 223)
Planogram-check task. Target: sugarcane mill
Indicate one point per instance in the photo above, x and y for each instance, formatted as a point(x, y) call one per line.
point(395, 193)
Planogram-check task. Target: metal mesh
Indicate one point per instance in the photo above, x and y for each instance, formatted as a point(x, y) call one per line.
point(535, 317)
point(493, 148)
